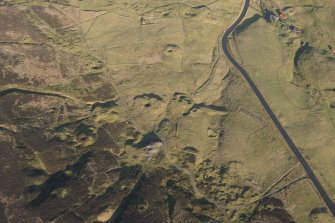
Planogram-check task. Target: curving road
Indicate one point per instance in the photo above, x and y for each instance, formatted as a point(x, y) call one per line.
point(273, 117)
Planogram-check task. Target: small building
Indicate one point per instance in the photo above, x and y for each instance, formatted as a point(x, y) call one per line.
point(282, 15)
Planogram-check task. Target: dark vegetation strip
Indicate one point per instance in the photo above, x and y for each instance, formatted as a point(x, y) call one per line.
point(24, 91)
point(116, 217)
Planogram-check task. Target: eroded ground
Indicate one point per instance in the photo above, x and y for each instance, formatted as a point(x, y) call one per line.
point(127, 111)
